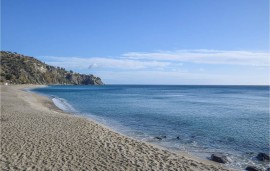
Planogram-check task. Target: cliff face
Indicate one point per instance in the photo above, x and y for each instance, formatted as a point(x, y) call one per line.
point(19, 69)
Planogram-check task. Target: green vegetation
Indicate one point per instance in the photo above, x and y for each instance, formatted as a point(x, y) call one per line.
point(20, 69)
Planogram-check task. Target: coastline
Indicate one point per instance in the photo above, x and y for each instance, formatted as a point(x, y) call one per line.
point(35, 134)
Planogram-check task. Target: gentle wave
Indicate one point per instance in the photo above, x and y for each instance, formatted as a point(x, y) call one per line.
point(63, 104)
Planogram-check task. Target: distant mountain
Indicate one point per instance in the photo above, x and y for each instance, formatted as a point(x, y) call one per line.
point(19, 69)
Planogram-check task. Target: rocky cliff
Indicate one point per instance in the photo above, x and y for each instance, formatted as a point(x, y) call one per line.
point(20, 69)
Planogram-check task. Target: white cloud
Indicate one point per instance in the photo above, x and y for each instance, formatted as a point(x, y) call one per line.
point(169, 67)
point(163, 59)
point(105, 63)
point(205, 56)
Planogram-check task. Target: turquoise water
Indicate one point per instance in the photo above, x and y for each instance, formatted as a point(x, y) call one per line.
point(233, 120)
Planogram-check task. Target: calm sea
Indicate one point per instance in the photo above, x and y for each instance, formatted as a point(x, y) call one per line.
point(233, 120)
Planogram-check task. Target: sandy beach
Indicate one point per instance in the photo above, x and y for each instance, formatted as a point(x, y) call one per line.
point(36, 135)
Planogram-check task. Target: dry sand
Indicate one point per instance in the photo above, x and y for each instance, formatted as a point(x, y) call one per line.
point(35, 135)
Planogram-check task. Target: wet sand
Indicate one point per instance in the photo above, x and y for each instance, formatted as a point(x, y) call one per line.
point(36, 135)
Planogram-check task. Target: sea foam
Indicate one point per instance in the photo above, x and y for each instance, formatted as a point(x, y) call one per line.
point(63, 104)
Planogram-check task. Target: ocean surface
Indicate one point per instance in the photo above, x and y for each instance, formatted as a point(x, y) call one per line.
point(233, 120)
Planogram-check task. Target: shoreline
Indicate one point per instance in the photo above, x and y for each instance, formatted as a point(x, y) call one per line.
point(90, 145)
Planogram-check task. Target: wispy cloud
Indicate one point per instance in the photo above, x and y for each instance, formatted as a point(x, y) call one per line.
point(105, 63)
point(205, 56)
point(174, 67)
point(163, 59)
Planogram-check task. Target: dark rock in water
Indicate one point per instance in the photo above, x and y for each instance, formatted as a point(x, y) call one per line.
point(262, 157)
point(219, 158)
point(158, 138)
point(268, 169)
point(178, 138)
point(161, 137)
point(252, 168)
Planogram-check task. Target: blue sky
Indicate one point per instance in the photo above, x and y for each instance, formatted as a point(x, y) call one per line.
point(145, 41)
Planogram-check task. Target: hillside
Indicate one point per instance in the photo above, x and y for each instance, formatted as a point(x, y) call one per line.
point(20, 69)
